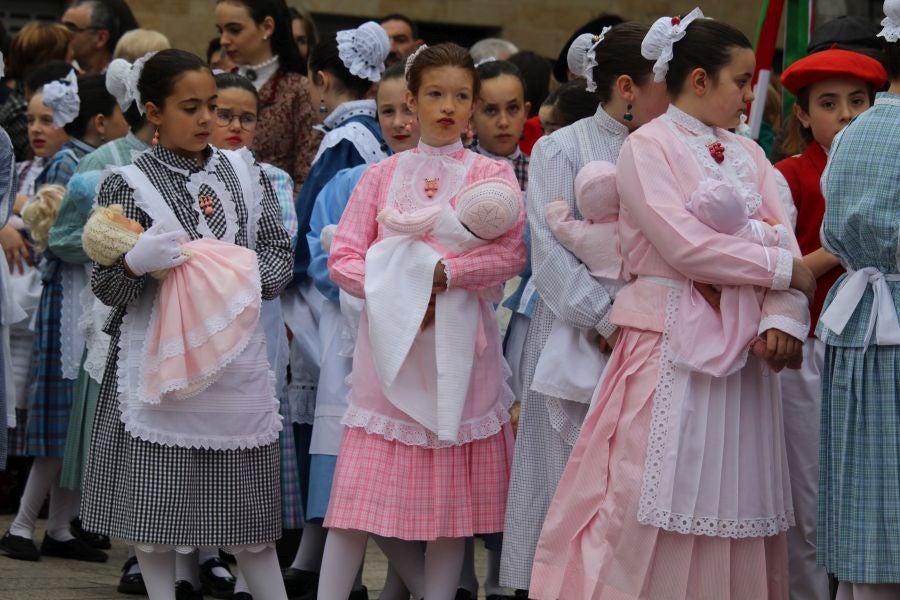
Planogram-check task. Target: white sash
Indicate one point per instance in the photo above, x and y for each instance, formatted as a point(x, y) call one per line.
point(883, 320)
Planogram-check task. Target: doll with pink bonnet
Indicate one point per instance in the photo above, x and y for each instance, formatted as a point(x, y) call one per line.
point(399, 272)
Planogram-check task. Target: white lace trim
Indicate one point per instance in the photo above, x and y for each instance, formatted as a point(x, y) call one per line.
point(253, 548)
point(648, 512)
point(73, 279)
point(784, 268)
point(93, 317)
point(786, 324)
point(414, 434)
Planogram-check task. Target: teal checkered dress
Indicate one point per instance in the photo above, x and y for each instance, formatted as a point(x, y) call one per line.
point(858, 536)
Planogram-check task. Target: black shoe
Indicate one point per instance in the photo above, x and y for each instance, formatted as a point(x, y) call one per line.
point(185, 591)
point(361, 594)
point(500, 597)
point(298, 582)
point(74, 549)
point(242, 596)
point(95, 540)
point(214, 585)
point(462, 594)
point(18, 547)
point(131, 584)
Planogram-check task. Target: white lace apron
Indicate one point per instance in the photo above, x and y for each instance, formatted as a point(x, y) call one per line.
point(716, 462)
point(239, 409)
point(75, 279)
point(399, 275)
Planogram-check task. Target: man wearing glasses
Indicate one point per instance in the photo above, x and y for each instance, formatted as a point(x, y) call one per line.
point(96, 27)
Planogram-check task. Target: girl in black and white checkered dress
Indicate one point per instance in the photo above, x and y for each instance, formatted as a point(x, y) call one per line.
point(170, 481)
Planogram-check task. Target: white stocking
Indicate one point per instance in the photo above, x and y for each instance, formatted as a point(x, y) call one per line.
point(44, 474)
point(408, 559)
point(158, 570)
point(63, 507)
point(312, 545)
point(467, 578)
point(262, 573)
point(240, 582)
point(393, 588)
point(187, 568)
point(443, 565)
point(344, 552)
point(876, 591)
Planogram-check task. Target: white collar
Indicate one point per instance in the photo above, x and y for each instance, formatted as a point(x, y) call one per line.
point(440, 150)
point(353, 108)
point(686, 121)
point(510, 157)
point(261, 73)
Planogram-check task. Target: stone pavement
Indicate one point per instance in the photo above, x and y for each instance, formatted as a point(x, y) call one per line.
point(57, 579)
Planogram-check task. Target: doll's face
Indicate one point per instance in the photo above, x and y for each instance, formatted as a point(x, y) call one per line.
point(126, 223)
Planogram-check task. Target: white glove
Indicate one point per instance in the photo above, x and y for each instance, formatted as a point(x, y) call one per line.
point(155, 251)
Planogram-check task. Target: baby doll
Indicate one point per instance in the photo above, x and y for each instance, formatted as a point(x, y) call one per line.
point(39, 213)
point(188, 345)
point(416, 241)
point(713, 338)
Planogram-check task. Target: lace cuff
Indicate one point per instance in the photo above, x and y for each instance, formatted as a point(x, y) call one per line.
point(605, 327)
point(784, 267)
point(788, 325)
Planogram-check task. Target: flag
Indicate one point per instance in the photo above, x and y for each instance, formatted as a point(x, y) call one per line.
point(766, 41)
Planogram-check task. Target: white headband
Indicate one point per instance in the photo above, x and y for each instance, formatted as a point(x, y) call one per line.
point(62, 97)
point(122, 81)
point(891, 22)
point(660, 40)
point(412, 58)
point(485, 60)
point(590, 60)
point(363, 50)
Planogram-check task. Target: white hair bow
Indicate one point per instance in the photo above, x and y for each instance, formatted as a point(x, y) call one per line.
point(590, 60)
point(660, 40)
point(891, 23)
point(62, 97)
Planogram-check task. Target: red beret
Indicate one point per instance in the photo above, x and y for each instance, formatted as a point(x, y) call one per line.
point(833, 63)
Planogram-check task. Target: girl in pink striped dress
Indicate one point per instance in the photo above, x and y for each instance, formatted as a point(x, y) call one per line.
point(395, 477)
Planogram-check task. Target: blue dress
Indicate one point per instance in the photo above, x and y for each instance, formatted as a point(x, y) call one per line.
point(858, 531)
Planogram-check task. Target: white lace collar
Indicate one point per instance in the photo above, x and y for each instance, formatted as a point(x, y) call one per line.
point(686, 121)
point(261, 73)
point(354, 108)
point(440, 150)
point(510, 157)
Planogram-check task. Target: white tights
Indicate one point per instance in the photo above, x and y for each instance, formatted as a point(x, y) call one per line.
point(260, 569)
point(312, 545)
point(42, 480)
point(868, 591)
point(433, 574)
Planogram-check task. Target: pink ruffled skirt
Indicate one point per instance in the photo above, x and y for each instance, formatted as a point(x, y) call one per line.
point(410, 492)
point(592, 545)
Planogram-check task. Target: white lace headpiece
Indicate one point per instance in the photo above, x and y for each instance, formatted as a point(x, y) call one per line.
point(660, 40)
point(891, 23)
point(122, 81)
point(62, 97)
point(412, 58)
point(363, 50)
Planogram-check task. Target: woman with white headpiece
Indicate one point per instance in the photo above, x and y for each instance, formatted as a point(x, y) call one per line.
point(562, 293)
point(90, 116)
point(858, 529)
point(677, 486)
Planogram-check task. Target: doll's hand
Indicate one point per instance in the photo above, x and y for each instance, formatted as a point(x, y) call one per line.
point(709, 292)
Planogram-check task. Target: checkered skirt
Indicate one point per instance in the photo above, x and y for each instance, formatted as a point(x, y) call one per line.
point(155, 494)
point(858, 530)
point(391, 489)
point(49, 393)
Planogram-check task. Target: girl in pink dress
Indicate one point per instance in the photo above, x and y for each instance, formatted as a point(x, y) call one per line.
point(677, 487)
point(395, 477)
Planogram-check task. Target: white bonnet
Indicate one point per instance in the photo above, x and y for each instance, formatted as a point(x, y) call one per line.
point(891, 23)
point(62, 97)
point(363, 50)
point(659, 42)
point(488, 208)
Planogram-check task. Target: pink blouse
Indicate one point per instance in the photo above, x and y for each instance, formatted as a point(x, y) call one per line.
point(659, 167)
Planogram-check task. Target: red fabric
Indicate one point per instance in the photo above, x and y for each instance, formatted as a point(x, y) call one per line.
point(413, 493)
point(531, 134)
point(833, 63)
point(803, 173)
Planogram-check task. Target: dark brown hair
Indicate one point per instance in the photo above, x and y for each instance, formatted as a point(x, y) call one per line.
point(620, 54)
point(441, 55)
point(892, 59)
point(573, 102)
point(35, 44)
point(707, 45)
point(163, 70)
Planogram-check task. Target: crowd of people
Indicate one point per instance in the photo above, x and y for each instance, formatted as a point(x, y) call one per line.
point(429, 296)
